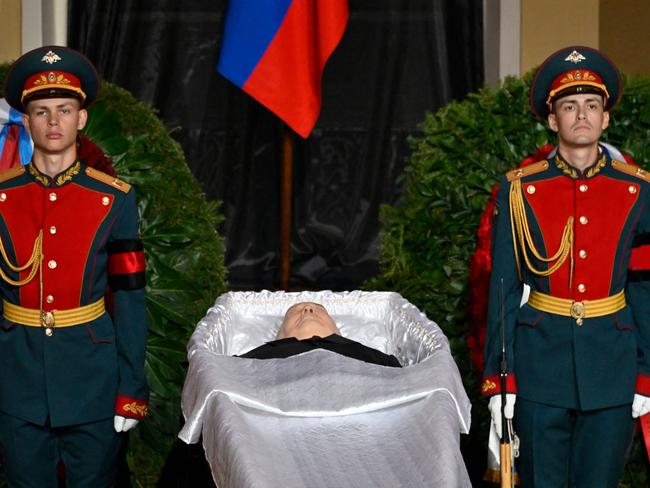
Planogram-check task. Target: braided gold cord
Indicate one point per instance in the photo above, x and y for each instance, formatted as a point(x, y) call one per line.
point(521, 234)
point(34, 261)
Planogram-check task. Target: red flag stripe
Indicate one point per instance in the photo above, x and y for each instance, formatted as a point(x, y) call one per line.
point(287, 80)
point(10, 155)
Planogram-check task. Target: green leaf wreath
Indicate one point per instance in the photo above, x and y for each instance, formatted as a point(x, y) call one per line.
point(428, 237)
point(184, 252)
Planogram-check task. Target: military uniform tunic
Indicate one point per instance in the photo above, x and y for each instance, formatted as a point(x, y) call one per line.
point(553, 359)
point(90, 247)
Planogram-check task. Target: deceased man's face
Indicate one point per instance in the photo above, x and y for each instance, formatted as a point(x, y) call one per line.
point(306, 319)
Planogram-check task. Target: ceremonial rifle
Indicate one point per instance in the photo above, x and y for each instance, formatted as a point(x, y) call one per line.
point(507, 468)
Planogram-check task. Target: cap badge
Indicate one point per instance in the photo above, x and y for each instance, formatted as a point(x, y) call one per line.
point(52, 78)
point(575, 57)
point(51, 57)
point(577, 75)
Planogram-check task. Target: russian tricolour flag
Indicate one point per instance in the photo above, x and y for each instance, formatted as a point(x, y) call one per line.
point(275, 50)
point(16, 146)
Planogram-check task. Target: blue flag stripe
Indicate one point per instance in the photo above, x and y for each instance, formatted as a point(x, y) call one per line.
point(250, 27)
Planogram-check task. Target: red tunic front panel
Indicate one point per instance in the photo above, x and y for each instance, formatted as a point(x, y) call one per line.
point(552, 203)
point(70, 217)
point(600, 207)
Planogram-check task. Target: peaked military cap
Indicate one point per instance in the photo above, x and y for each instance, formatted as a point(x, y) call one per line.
point(51, 72)
point(574, 69)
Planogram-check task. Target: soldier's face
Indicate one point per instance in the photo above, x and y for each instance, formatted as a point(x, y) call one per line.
point(579, 119)
point(53, 124)
point(305, 320)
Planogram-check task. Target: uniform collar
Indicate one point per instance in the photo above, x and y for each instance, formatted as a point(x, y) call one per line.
point(59, 180)
point(589, 172)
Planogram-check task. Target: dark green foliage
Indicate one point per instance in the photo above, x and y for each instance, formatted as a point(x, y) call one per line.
point(429, 236)
point(185, 255)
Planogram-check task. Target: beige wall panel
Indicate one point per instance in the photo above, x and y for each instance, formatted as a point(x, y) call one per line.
point(624, 34)
point(10, 21)
point(549, 25)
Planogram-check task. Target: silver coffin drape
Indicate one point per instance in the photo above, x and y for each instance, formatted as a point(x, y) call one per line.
point(320, 419)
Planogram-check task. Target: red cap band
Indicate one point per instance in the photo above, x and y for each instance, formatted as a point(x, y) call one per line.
point(576, 77)
point(52, 80)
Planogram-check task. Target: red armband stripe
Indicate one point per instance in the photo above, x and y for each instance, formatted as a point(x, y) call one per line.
point(131, 407)
point(640, 258)
point(126, 263)
point(492, 384)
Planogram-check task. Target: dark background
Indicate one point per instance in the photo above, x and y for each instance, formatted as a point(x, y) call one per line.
point(397, 59)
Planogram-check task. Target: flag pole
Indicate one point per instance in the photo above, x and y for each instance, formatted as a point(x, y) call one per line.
point(286, 193)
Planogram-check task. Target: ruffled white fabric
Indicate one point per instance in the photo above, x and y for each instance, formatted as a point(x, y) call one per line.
point(319, 418)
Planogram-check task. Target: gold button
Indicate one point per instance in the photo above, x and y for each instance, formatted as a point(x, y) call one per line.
point(48, 332)
point(105, 201)
point(49, 299)
point(53, 229)
point(632, 189)
point(581, 288)
point(583, 188)
point(582, 253)
point(530, 189)
point(52, 197)
point(3, 197)
point(51, 264)
point(583, 220)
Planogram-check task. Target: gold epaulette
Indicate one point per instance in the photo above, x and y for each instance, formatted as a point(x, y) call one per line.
point(108, 179)
point(531, 169)
point(631, 170)
point(11, 173)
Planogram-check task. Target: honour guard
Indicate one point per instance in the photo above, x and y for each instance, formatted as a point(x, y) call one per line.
point(575, 227)
point(71, 375)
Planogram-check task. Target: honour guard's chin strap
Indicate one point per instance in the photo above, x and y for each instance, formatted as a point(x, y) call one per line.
point(521, 235)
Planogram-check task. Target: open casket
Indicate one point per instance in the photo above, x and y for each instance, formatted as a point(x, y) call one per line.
point(320, 419)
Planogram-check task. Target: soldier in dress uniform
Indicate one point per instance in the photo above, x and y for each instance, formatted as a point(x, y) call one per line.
point(71, 375)
point(575, 227)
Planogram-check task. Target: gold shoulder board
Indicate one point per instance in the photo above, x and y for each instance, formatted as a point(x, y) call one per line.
point(108, 179)
point(531, 169)
point(631, 170)
point(11, 173)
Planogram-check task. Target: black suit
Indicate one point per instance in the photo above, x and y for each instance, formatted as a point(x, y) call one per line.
point(284, 348)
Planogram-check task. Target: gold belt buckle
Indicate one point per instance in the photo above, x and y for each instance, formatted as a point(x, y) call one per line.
point(47, 321)
point(578, 311)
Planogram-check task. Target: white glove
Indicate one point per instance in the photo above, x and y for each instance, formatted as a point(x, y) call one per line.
point(122, 424)
point(495, 409)
point(640, 405)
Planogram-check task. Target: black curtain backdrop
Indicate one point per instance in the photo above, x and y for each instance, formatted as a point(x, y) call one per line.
point(397, 59)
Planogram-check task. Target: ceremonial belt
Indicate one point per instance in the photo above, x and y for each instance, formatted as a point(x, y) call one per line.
point(586, 309)
point(55, 318)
